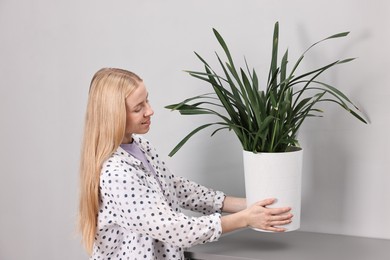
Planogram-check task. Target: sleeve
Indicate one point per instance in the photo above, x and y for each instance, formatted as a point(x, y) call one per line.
point(195, 197)
point(130, 203)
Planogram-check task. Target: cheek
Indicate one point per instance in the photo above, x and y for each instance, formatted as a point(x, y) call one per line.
point(128, 121)
point(131, 120)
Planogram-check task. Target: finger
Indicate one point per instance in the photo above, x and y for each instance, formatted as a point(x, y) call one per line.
point(280, 223)
point(281, 217)
point(279, 211)
point(276, 229)
point(266, 202)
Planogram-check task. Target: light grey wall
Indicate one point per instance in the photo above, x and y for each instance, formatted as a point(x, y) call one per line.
point(49, 50)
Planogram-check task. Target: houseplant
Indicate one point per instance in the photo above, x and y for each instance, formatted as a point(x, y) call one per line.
point(266, 121)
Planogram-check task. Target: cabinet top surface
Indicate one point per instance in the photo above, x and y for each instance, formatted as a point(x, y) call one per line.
point(249, 244)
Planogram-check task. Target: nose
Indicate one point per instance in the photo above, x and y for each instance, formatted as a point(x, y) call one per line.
point(149, 110)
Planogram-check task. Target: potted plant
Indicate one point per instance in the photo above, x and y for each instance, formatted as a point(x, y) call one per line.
point(266, 121)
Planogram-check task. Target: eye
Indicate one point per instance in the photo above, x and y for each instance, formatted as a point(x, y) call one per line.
point(140, 106)
point(137, 109)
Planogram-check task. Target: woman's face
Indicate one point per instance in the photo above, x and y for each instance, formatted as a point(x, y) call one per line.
point(138, 113)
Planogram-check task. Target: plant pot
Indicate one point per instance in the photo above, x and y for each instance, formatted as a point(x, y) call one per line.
point(275, 175)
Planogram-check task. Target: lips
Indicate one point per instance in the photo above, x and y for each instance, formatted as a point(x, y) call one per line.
point(146, 123)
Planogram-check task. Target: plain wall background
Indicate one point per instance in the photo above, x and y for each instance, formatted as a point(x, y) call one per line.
point(49, 51)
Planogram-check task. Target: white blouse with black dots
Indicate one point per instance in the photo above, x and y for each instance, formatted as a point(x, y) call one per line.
point(139, 220)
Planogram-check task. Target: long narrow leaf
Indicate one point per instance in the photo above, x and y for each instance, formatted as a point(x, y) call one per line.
point(185, 139)
point(264, 120)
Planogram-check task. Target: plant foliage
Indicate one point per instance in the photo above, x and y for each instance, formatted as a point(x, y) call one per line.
point(263, 120)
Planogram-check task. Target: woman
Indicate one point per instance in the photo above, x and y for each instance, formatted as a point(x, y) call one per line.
point(130, 203)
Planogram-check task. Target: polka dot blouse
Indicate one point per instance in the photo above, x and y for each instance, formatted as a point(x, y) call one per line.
point(140, 211)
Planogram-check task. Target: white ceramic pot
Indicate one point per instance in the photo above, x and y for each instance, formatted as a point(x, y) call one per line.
point(275, 175)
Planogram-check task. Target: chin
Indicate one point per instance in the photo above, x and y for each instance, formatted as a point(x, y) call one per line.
point(143, 131)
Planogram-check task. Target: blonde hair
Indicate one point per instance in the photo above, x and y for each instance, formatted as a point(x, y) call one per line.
point(105, 124)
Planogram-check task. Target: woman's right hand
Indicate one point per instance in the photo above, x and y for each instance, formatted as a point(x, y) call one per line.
point(258, 216)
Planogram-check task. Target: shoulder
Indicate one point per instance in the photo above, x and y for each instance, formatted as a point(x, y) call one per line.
point(120, 166)
point(119, 159)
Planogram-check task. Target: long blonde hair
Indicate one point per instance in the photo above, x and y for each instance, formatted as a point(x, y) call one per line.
point(105, 124)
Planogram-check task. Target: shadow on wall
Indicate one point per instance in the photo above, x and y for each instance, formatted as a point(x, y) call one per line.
point(325, 182)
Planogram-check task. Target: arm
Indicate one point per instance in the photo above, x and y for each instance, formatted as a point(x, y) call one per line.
point(127, 201)
point(256, 216)
point(233, 204)
point(198, 198)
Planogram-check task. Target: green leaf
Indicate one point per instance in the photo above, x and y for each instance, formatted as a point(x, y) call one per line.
point(263, 120)
point(185, 139)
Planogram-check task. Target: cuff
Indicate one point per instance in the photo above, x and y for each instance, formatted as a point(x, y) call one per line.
point(218, 201)
point(216, 220)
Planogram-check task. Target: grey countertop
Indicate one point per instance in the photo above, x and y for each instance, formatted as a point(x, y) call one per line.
point(296, 245)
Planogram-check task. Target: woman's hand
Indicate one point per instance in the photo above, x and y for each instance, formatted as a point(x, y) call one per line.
point(258, 216)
